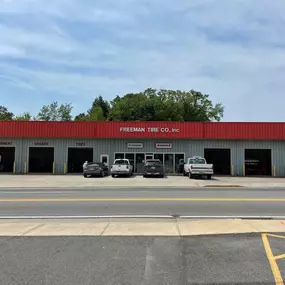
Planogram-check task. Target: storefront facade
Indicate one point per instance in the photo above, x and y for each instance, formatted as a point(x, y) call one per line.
point(59, 148)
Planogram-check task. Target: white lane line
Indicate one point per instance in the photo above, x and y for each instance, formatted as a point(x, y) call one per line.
point(88, 217)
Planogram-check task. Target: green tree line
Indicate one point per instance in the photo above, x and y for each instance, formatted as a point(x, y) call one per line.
point(149, 105)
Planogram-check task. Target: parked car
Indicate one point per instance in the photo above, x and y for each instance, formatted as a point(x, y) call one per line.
point(197, 166)
point(121, 167)
point(153, 167)
point(96, 169)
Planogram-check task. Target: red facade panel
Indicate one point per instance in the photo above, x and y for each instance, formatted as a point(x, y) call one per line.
point(251, 131)
point(169, 130)
point(47, 129)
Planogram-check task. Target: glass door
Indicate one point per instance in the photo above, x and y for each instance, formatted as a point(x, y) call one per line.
point(139, 162)
point(104, 158)
point(179, 162)
point(169, 162)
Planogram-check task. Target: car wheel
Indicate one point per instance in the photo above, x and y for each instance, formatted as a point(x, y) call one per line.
point(144, 176)
point(102, 174)
point(190, 176)
point(184, 173)
point(113, 175)
point(209, 176)
point(162, 176)
point(85, 175)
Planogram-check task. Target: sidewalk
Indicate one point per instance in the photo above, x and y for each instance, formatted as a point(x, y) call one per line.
point(137, 227)
point(73, 181)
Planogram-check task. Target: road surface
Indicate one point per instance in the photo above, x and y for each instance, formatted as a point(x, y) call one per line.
point(142, 201)
point(229, 259)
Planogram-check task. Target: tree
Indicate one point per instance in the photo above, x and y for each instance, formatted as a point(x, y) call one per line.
point(55, 112)
point(81, 117)
point(165, 105)
point(97, 114)
point(101, 103)
point(24, 117)
point(5, 115)
point(99, 111)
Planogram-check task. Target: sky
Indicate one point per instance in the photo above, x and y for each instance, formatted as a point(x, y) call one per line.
point(71, 51)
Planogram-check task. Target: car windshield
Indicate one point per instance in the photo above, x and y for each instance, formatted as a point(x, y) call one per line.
point(121, 161)
point(197, 161)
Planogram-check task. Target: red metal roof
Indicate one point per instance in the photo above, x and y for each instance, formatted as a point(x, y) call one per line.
point(171, 130)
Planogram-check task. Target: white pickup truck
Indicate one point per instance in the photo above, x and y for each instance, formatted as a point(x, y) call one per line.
point(197, 166)
point(121, 167)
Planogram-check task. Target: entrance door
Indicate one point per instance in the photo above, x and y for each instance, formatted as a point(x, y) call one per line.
point(169, 162)
point(179, 162)
point(139, 162)
point(104, 158)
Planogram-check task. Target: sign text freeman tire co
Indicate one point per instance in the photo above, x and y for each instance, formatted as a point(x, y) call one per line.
point(149, 130)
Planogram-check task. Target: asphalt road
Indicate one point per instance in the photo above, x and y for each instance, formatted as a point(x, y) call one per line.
point(229, 259)
point(142, 201)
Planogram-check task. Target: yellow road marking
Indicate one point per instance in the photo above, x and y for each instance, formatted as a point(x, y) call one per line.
point(279, 256)
point(272, 261)
point(142, 199)
point(277, 236)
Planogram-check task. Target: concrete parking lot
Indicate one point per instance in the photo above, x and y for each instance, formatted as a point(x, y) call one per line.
point(169, 181)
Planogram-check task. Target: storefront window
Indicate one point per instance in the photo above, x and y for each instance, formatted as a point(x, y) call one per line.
point(119, 155)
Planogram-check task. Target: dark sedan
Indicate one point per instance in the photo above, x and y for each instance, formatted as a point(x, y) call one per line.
point(153, 168)
point(96, 169)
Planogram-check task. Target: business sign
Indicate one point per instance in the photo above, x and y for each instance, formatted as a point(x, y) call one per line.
point(41, 143)
point(148, 130)
point(5, 143)
point(135, 145)
point(80, 144)
point(163, 145)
